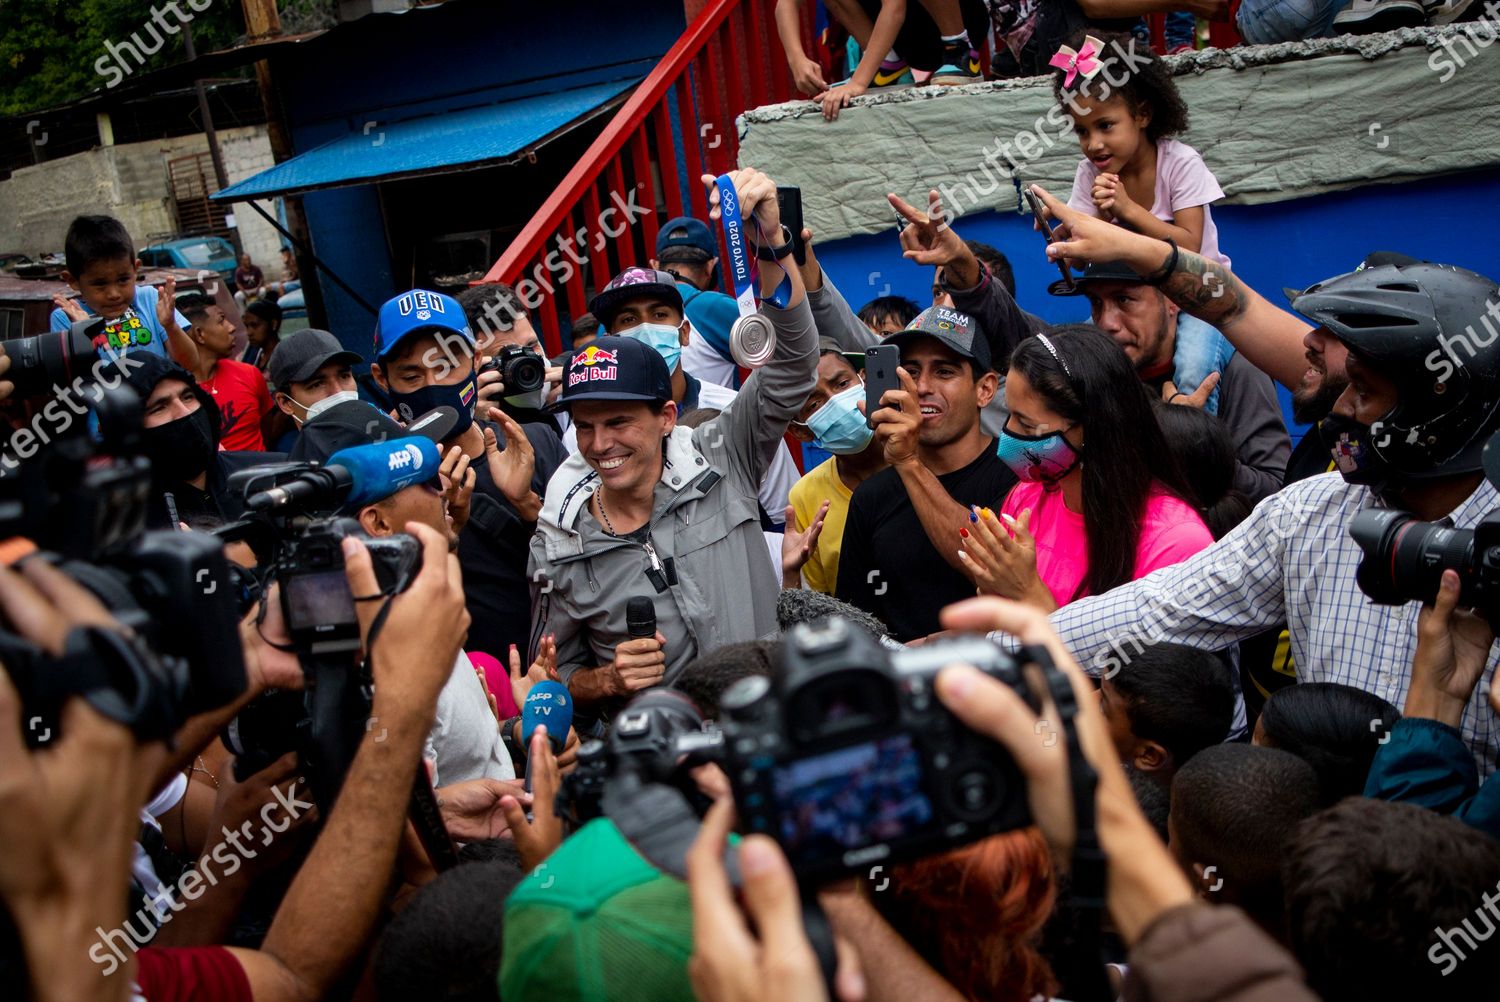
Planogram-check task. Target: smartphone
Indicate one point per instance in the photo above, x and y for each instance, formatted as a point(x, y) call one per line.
point(789, 199)
point(882, 363)
point(1038, 211)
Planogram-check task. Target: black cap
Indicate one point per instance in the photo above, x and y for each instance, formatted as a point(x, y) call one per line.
point(615, 368)
point(632, 283)
point(300, 355)
point(1098, 271)
point(954, 328)
point(355, 422)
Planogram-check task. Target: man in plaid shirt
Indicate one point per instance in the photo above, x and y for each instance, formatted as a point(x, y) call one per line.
point(1423, 362)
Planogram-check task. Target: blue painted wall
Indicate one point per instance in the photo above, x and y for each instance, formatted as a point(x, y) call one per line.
point(1285, 244)
point(425, 61)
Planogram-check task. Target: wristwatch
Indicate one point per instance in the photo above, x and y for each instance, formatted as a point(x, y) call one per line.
point(777, 253)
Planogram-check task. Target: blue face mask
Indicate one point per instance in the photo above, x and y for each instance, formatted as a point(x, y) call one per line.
point(1037, 458)
point(838, 426)
point(665, 339)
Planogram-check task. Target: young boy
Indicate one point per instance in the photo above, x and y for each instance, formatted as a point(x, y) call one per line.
point(101, 265)
point(239, 390)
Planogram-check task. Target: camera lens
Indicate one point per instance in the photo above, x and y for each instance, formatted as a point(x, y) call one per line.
point(39, 362)
point(523, 373)
point(1404, 559)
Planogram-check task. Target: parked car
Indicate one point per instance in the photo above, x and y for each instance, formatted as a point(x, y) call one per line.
point(198, 253)
point(293, 312)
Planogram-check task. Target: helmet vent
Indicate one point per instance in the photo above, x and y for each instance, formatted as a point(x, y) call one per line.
point(1399, 287)
point(1366, 321)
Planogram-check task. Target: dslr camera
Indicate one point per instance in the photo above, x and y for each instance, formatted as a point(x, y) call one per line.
point(521, 370)
point(1404, 559)
point(849, 759)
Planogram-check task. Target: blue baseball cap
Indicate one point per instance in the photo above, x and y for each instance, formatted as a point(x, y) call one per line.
point(614, 368)
point(418, 310)
point(685, 239)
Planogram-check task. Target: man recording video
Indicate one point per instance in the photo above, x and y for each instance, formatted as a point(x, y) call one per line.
point(648, 509)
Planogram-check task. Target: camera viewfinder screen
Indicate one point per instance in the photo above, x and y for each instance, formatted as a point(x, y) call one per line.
point(319, 599)
point(861, 795)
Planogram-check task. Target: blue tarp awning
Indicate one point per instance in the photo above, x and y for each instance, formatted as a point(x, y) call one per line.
point(455, 140)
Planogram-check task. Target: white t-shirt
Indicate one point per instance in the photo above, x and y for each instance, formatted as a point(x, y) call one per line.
point(140, 864)
point(465, 737)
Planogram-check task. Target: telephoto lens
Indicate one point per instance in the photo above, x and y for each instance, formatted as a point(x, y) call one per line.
point(1404, 559)
point(42, 361)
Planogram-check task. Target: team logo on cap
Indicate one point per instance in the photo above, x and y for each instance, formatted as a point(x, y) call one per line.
point(421, 302)
point(636, 276)
point(592, 364)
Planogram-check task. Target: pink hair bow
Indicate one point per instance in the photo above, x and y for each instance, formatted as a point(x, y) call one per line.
point(1084, 62)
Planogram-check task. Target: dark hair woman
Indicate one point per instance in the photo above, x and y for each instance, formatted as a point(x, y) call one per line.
point(1101, 500)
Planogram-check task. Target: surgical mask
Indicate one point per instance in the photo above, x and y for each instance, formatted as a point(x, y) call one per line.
point(1354, 451)
point(531, 401)
point(460, 396)
point(667, 341)
point(180, 450)
point(1037, 458)
point(838, 426)
point(318, 407)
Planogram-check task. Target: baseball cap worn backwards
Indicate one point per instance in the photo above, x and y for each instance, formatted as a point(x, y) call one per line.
point(954, 328)
point(356, 422)
point(614, 368)
point(418, 311)
point(685, 239)
point(597, 922)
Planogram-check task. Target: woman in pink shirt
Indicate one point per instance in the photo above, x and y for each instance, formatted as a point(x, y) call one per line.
point(1101, 500)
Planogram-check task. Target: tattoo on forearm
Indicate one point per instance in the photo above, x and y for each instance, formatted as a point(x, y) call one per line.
point(1206, 290)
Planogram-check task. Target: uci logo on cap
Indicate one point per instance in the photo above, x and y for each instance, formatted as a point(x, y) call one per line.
point(422, 302)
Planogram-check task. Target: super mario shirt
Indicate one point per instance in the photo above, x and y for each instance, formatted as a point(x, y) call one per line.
point(137, 329)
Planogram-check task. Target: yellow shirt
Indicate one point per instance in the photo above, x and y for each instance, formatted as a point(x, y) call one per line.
point(821, 572)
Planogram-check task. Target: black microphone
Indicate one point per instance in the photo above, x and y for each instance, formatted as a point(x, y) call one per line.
point(640, 617)
point(324, 481)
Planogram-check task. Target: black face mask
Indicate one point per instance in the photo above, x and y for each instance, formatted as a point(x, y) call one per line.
point(180, 450)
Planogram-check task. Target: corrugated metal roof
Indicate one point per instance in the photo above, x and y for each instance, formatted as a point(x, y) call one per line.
point(455, 140)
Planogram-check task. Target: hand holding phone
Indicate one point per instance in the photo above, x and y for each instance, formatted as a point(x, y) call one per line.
point(882, 365)
point(1038, 211)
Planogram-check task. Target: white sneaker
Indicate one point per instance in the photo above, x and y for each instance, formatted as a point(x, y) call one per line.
point(1364, 17)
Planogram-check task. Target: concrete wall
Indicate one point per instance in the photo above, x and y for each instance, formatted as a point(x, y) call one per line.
point(129, 182)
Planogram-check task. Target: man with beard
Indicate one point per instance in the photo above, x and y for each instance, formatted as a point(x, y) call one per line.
point(1408, 432)
point(1143, 321)
point(180, 435)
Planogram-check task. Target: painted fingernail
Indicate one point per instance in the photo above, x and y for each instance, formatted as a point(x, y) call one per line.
point(964, 533)
point(973, 516)
point(986, 513)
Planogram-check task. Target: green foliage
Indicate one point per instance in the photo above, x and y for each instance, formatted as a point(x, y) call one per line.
point(49, 49)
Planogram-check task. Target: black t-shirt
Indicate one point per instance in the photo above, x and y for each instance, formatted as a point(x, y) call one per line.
point(888, 566)
point(1309, 458)
point(493, 549)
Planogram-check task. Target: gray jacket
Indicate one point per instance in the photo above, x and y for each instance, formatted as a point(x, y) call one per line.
point(705, 529)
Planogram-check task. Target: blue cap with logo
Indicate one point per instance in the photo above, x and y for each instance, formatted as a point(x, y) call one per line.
point(685, 239)
point(614, 368)
point(418, 310)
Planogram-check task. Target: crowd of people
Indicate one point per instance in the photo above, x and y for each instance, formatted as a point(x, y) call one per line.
point(1245, 778)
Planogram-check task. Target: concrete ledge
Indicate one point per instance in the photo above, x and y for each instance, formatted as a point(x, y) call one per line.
point(1273, 122)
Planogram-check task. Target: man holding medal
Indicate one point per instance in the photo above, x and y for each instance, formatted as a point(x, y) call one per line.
point(646, 508)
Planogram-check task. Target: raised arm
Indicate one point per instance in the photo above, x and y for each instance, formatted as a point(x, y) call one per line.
point(1268, 336)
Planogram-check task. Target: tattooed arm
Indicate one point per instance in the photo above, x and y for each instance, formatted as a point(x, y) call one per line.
point(1268, 336)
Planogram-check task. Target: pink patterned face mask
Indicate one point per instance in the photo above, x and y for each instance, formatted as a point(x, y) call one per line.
point(1037, 458)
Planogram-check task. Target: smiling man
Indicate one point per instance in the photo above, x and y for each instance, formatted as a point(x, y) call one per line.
point(649, 509)
point(930, 432)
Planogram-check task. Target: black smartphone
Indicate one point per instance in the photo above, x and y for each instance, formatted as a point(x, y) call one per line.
point(789, 199)
point(882, 362)
point(1039, 212)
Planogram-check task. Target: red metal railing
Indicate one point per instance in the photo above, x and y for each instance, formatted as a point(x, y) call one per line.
point(676, 126)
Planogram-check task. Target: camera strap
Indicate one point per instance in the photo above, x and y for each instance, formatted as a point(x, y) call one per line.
point(1087, 869)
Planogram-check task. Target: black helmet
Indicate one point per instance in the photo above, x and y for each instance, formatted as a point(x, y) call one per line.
point(1434, 331)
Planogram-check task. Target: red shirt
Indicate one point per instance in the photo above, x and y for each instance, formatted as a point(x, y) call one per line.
point(190, 973)
point(243, 399)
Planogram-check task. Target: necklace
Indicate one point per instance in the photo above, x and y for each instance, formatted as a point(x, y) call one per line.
point(201, 767)
point(609, 526)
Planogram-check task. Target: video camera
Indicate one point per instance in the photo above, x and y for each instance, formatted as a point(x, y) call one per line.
point(82, 500)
